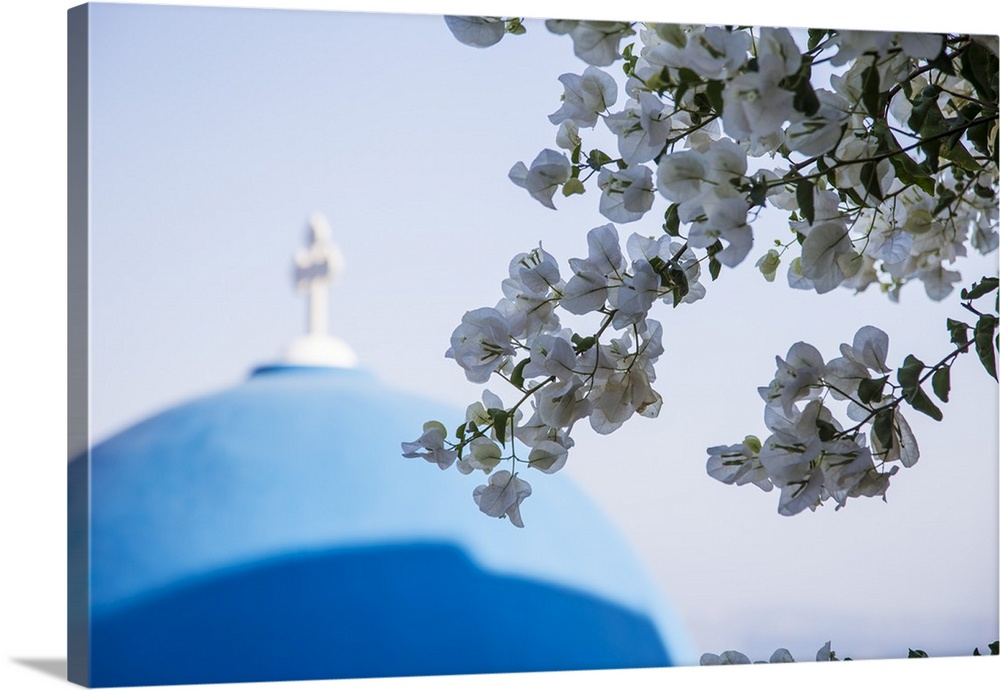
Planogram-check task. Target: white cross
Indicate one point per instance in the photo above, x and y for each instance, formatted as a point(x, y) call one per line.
point(316, 267)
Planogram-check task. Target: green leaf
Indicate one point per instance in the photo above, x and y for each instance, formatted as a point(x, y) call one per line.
point(869, 178)
point(714, 267)
point(984, 343)
point(909, 374)
point(825, 430)
point(517, 376)
point(515, 27)
point(909, 172)
point(714, 93)
point(921, 403)
point(882, 427)
point(596, 159)
point(758, 192)
point(926, 112)
point(804, 196)
point(805, 101)
point(959, 332)
point(958, 154)
point(688, 76)
point(871, 389)
point(672, 221)
point(679, 284)
point(941, 383)
point(984, 287)
point(573, 186)
point(976, 67)
point(944, 200)
point(585, 344)
point(870, 92)
point(824, 167)
point(917, 654)
point(816, 36)
point(499, 418)
point(995, 648)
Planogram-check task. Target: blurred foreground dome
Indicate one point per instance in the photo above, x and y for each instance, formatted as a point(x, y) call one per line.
point(274, 532)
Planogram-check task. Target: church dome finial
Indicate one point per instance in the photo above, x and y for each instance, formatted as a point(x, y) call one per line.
point(315, 269)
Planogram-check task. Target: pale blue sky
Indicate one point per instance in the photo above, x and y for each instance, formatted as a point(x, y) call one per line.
point(216, 133)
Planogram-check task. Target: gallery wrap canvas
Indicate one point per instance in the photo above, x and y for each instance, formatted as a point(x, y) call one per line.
point(412, 345)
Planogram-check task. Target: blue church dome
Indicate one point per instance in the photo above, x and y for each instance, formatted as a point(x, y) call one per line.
point(273, 531)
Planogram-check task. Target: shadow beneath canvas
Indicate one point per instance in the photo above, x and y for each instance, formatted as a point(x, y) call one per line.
point(50, 667)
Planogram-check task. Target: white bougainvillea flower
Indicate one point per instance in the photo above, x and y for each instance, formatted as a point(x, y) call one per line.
point(845, 462)
point(855, 147)
point(755, 105)
point(843, 375)
point(799, 495)
point(480, 343)
point(616, 401)
point(728, 657)
point(604, 250)
point(430, 446)
point(781, 656)
point(477, 411)
point(585, 97)
point(626, 194)
point(548, 171)
point(914, 45)
point(535, 431)
point(562, 404)
point(904, 448)
point(768, 264)
point(796, 378)
point(596, 43)
point(484, 454)
point(824, 653)
point(920, 45)
point(680, 175)
point(938, 281)
point(536, 271)
point(822, 249)
point(552, 354)
point(819, 133)
point(725, 220)
point(587, 290)
point(503, 496)
point(738, 464)
point(568, 135)
point(642, 128)
point(985, 237)
point(478, 32)
point(776, 50)
point(887, 241)
point(869, 349)
point(712, 52)
point(791, 452)
point(548, 457)
point(634, 297)
point(853, 44)
point(726, 163)
point(528, 313)
point(625, 388)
